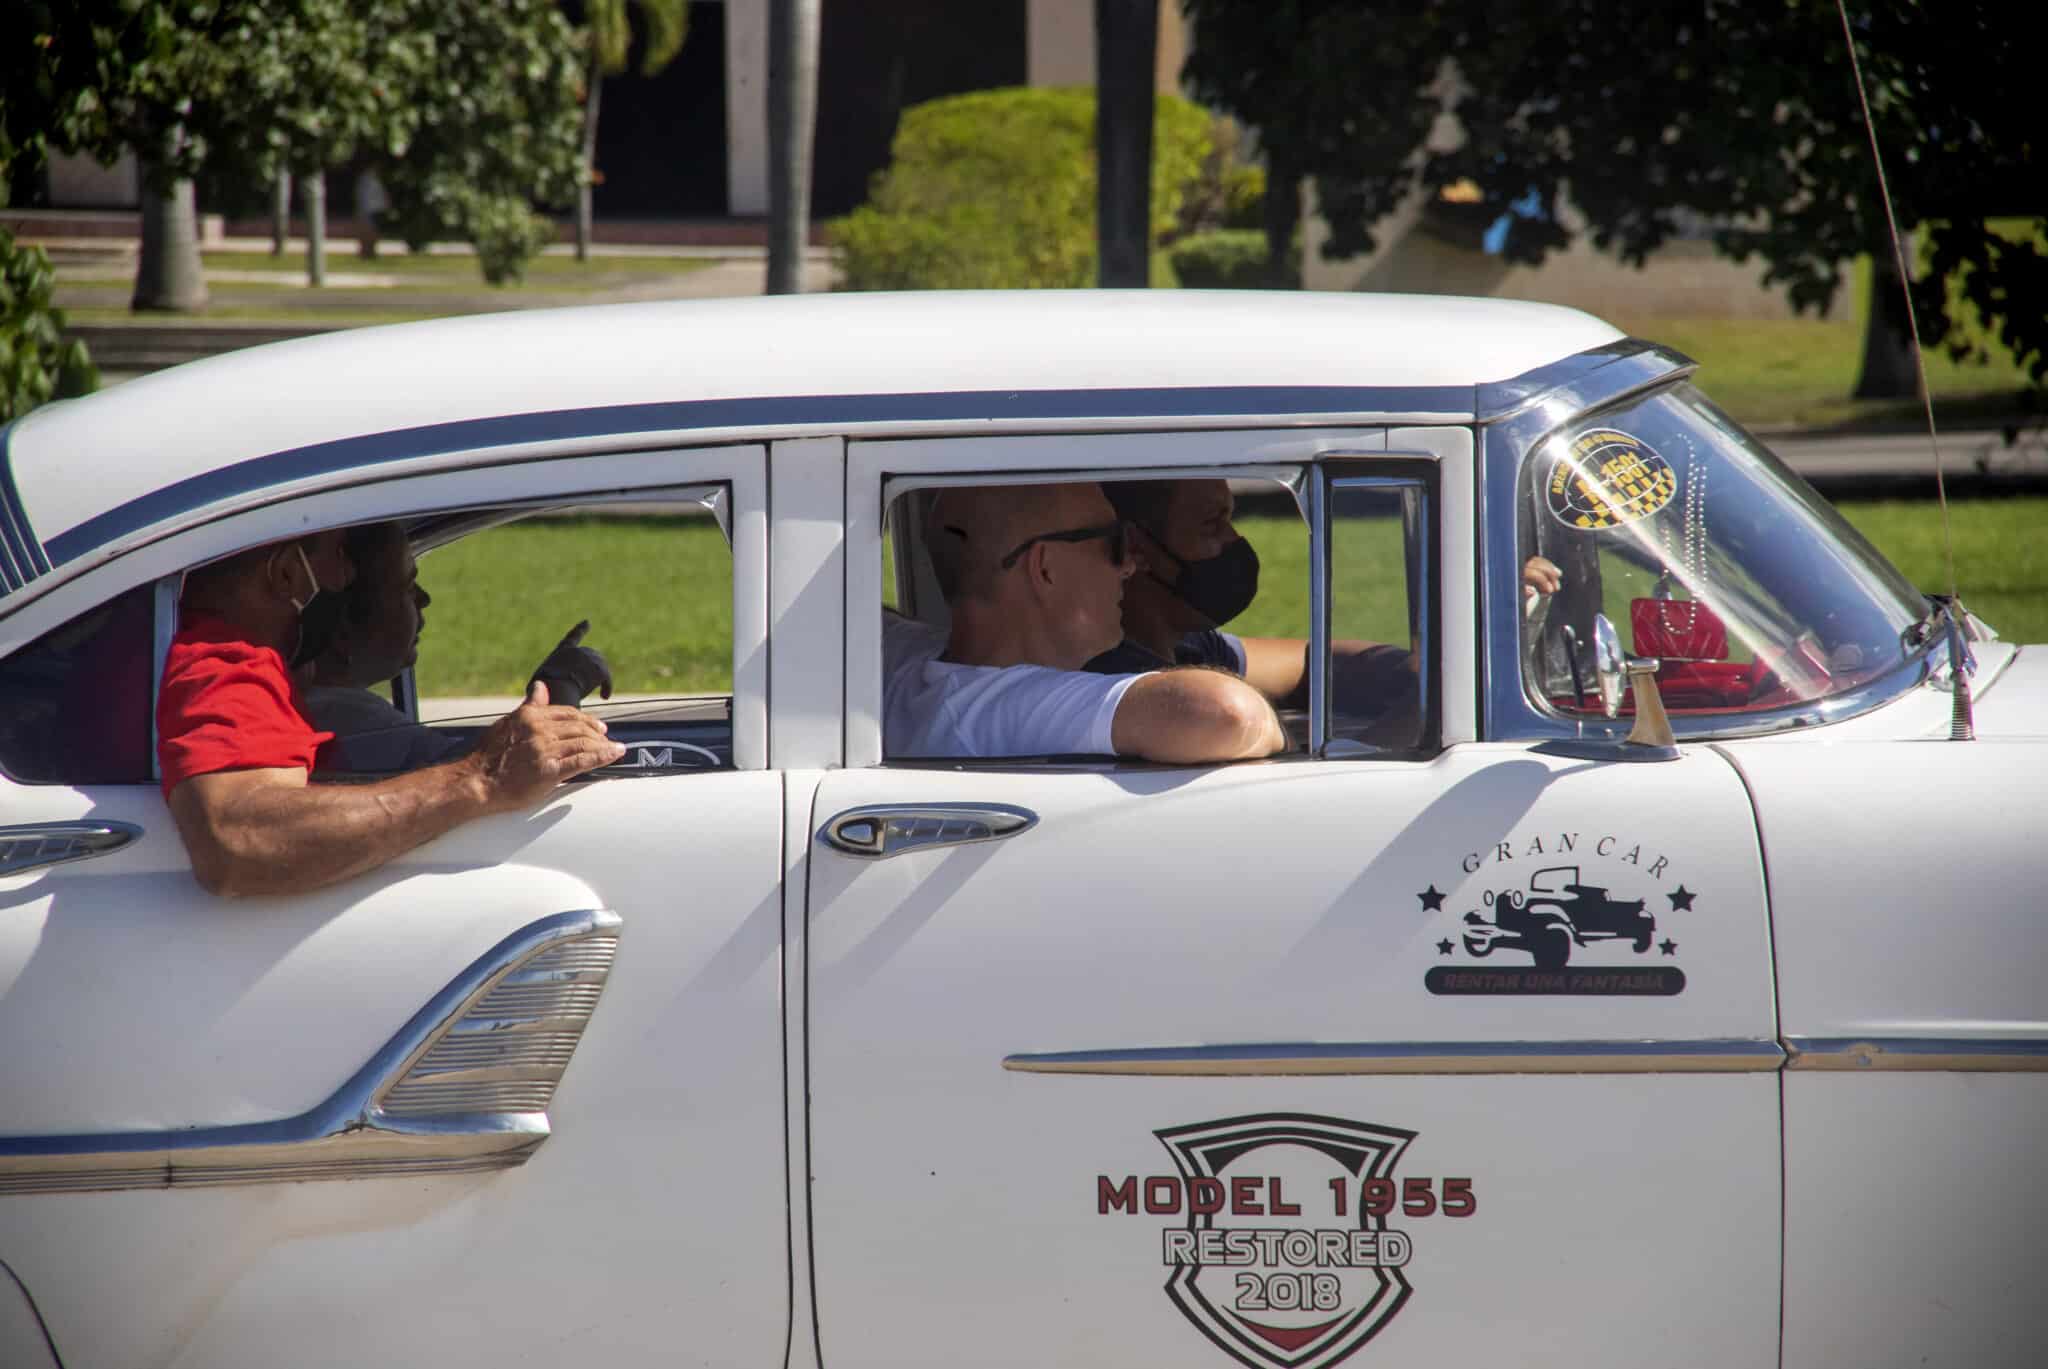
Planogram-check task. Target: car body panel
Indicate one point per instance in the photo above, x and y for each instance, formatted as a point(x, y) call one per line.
point(931, 972)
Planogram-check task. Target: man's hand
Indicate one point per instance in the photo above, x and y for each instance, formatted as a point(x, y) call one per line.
point(572, 670)
point(526, 753)
point(1541, 575)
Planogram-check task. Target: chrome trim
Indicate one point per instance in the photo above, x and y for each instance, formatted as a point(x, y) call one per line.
point(1959, 1053)
point(1318, 612)
point(1417, 1057)
point(33, 845)
point(1598, 375)
point(463, 1087)
point(880, 830)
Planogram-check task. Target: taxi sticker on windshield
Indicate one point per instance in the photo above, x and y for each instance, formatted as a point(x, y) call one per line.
point(1286, 1236)
point(1606, 479)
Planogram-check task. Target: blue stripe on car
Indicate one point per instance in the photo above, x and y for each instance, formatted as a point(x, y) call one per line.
point(21, 558)
point(327, 458)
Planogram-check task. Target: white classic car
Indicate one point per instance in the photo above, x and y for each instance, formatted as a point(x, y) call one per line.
point(1510, 1040)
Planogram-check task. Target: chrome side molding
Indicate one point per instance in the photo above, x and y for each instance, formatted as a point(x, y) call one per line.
point(1418, 1057)
point(881, 830)
point(464, 1086)
point(1968, 1054)
point(53, 843)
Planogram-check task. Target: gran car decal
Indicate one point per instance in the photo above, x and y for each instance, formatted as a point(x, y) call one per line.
point(1607, 478)
point(1583, 908)
point(1277, 1242)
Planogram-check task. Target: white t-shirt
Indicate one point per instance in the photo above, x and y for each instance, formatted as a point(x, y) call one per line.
point(937, 708)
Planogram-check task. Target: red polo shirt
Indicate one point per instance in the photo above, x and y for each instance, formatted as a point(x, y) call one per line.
point(226, 704)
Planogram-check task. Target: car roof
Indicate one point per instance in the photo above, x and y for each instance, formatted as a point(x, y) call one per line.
point(79, 477)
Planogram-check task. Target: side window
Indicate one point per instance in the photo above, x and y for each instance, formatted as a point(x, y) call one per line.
point(1381, 655)
point(75, 703)
point(502, 589)
point(1196, 598)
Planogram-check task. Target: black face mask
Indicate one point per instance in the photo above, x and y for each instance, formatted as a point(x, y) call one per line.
point(1219, 587)
point(317, 624)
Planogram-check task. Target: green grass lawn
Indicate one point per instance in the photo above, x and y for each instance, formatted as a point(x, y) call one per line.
point(1798, 372)
point(658, 591)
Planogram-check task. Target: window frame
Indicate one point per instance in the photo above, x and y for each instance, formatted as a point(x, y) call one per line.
point(878, 471)
point(569, 479)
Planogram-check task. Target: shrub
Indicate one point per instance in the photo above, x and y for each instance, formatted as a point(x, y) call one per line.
point(37, 363)
point(996, 188)
point(1227, 259)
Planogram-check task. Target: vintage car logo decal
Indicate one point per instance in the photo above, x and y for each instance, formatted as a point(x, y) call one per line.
point(1277, 1241)
point(1606, 479)
point(1565, 913)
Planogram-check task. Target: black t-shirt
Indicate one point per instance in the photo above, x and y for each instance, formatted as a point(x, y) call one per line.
point(1208, 647)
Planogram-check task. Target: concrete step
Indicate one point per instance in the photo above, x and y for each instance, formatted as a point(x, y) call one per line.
point(138, 347)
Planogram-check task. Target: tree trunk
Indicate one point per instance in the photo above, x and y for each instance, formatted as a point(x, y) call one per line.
point(1282, 218)
point(169, 275)
point(313, 190)
point(280, 212)
point(1888, 370)
point(584, 193)
point(1126, 47)
point(792, 114)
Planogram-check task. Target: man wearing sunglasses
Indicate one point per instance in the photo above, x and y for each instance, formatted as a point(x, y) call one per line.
point(1034, 576)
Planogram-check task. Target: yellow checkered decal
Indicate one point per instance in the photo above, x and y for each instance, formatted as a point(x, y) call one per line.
point(1608, 478)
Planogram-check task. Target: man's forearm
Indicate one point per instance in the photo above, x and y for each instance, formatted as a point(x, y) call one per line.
point(285, 837)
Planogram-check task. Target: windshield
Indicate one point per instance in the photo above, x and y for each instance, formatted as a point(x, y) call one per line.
point(1706, 553)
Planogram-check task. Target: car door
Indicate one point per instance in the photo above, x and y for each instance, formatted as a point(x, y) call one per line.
point(1115, 1064)
point(514, 1097)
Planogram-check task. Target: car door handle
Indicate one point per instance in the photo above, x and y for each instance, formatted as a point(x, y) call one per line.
point(881, 830)
point(52, 843)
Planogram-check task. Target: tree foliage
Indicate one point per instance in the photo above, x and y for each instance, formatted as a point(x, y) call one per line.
point(497, 113)
point(37, 363)
point(1741, 114)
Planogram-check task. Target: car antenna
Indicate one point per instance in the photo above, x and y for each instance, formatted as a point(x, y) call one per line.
point(1962, 726)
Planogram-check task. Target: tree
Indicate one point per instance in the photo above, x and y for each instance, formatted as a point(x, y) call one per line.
point(37, 363)
point(1739, 113)
point(1336, 90)
point(609, 35)
point(495, 100)
point(792, 112)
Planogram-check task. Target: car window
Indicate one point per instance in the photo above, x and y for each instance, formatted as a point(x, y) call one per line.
point(654, 583)
point(1705, 553)
point(1377, 607)
point(75, 703)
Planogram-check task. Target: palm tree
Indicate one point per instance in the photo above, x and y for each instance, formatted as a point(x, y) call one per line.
point(668, 24)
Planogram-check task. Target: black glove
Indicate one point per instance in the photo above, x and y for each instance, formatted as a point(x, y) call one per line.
point(573, 670)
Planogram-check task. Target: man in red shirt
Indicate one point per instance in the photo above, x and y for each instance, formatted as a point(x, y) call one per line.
point(236, 751)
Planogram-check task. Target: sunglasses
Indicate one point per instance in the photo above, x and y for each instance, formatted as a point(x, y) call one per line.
point(1118, 534)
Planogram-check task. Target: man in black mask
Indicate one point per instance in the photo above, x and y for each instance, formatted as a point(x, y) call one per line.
point(1197, 574)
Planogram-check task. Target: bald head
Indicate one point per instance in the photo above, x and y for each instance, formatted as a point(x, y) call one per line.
point(1056, 601)
point(971, 530)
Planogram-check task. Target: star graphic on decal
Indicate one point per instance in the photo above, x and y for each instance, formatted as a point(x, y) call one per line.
point(1681, 899)
point(1444, 947)
point(1431, 899)
point(1668, 946)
